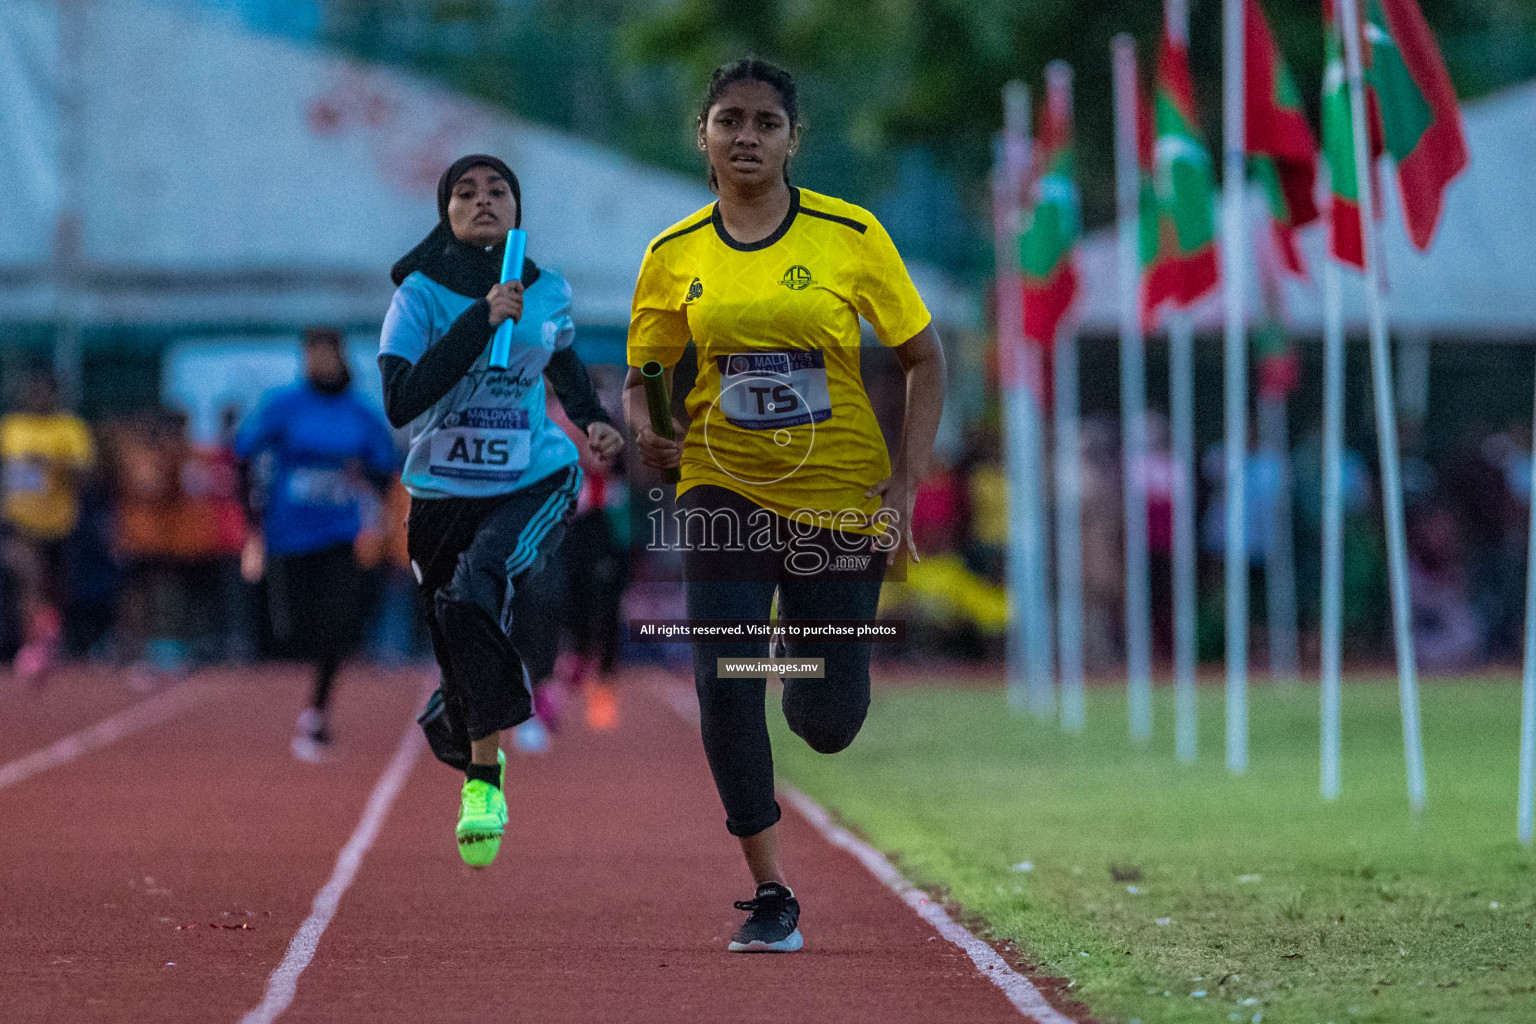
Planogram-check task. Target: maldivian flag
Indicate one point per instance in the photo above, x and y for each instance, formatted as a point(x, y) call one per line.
point(1282, 150)
point(1344, 239)
point(1054, 224)
point(1178, 231)
point(1278, 365)
point(1414, 118)
point(1421, 123)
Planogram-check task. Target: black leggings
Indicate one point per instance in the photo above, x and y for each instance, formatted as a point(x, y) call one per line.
point(316, 602)
point(739, 585)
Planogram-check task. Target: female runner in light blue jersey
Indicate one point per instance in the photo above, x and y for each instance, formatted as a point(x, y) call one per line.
point(491, 479)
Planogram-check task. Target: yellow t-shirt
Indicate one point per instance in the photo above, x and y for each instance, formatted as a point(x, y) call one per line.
point(779, 412)
point(37, 453)
point(989, 506)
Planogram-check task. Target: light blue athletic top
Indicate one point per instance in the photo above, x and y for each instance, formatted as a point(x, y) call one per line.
point(489, 435)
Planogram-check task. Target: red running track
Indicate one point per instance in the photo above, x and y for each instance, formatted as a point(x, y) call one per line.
point(162, 876)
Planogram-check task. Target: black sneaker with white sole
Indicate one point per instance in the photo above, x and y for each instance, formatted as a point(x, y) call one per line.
point(773, 924)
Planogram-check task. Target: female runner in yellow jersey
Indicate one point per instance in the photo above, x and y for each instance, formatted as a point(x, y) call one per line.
point(786, 482)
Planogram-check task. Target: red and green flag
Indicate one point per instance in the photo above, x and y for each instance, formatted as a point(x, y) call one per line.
point(1275, 358)
point(1282, 152)
point(1338, 149)
point(1279, 369)
point(1178, 230)
point(1414, 117)
point(1053, 224)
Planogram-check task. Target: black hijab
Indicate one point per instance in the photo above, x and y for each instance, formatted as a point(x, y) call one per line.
point(459, 266)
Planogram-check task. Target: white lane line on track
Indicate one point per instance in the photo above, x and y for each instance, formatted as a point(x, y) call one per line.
point(284, 981)
point(1018, 989)
point(109, 730)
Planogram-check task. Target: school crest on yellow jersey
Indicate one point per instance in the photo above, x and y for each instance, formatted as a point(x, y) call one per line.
point(796, 278)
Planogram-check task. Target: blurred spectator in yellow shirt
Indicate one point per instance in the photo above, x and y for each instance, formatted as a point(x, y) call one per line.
point(46, 454)
point(984, 525)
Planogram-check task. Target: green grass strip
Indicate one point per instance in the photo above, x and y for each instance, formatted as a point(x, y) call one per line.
point(1274, 906)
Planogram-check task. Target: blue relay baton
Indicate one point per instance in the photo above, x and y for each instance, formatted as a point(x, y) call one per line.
point(511, 270)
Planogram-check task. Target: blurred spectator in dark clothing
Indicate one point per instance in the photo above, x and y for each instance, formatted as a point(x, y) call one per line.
point(1447, 634)
point(596, 569)
point(1263, 473)
point(168, 535)
point(92, 579)
point(1103, 544)
point(210, 484)
point(1491, 523)
point(1159, 475)
point(1359, 525)
point(1418, 475)
point(1517, 460)
point(582, 588)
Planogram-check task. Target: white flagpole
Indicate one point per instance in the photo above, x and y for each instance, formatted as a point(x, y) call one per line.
point(1233, 247)
point(1133, 388)
point(1181, 410)
point(1040, 689)
point(1004, 191)
point(1028, 637)
point(1386, 420)
point(1333, 520)
point(1280, 544)
point(1181, 417)
point(1069, 548)
point(1042, 682)
point(1527, 797)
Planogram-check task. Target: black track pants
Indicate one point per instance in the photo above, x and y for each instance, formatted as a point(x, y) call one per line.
point(470, 554)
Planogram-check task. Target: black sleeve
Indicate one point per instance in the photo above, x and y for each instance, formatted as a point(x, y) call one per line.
point(250, 493)
point(574, 389)
point(412, 389)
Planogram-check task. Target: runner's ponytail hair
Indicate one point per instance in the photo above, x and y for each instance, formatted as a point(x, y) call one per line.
point(751, 69)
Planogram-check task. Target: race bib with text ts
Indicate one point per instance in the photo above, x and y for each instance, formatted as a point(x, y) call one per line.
point(770, 390)
point(482, 444)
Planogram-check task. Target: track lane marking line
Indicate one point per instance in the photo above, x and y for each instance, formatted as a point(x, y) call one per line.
point(283, 983)
point(157, 709)
point(1018, 989)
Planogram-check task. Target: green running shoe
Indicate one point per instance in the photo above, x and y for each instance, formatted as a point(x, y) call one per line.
point(482, 819)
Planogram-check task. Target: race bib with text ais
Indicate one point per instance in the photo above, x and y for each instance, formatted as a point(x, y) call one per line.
point(482, 444)
point(770, 390)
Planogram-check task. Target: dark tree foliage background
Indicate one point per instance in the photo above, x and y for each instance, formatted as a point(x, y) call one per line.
point(900, 97)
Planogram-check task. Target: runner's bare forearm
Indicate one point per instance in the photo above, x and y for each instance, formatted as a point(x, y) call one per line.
point(922, 360)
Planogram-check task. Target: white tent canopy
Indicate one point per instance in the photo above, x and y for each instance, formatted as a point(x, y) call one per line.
point(1478, 280)
point(224, 177)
